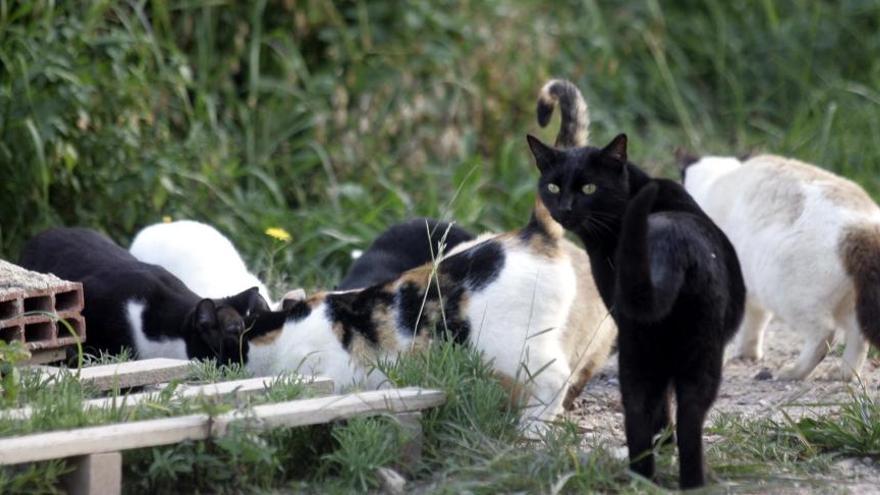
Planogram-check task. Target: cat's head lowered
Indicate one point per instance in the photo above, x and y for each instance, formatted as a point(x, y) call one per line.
point(584, 188)
point(216, 326)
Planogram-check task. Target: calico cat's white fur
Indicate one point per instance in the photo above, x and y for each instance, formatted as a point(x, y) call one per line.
point(507, 295)
point(199, 255)
point(809, 245)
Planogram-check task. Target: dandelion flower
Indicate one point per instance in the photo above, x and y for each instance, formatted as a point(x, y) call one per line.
point(278, 233)
point(166, 219)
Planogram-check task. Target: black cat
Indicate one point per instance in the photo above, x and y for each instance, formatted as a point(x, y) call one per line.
point(671, 279)
point(400, 248)
point(140, 306)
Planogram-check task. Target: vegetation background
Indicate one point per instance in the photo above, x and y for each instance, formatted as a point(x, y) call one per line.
point(333, 119)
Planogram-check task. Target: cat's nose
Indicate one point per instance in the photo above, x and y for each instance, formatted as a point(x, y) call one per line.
point(565, 204)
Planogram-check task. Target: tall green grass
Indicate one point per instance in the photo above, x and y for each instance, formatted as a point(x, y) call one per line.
point(334, 119)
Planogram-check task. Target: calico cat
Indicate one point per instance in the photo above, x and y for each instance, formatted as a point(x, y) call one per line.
point(809, 243)
point(200, 256)
point(589, 330)
point(671, 279)
point(135, 305)
point(507, 295)
point(402, 247)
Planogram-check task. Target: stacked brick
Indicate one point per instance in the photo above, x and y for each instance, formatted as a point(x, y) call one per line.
point(33, 307)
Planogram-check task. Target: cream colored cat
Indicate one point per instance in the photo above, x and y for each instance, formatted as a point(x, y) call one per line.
point(591, 330)
point(809, 245)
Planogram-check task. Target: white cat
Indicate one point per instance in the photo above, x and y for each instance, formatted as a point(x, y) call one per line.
point(809, 245)
point(200, 256)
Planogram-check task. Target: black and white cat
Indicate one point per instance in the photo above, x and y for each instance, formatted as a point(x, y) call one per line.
point(135, 305)
point(200, 256)
point(671, 278)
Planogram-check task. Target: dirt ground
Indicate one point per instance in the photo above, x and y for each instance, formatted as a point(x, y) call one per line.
point(599, 412)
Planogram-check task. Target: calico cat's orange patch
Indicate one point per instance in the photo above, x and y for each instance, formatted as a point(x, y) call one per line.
point(838, 190)
point(267, 338)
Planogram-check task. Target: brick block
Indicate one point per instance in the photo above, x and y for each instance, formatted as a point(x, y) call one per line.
point(34, 308)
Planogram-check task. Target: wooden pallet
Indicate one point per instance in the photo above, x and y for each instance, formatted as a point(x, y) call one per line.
point(96, 451)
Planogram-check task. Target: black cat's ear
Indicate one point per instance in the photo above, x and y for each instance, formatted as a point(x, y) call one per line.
point(293, 297)
point(685, 159)
point(248, 302)
point(545, 156)
point(206, 314)
point(616, 149)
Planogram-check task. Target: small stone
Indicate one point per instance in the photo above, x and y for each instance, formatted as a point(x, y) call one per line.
point(764, 374)
point(391, 481)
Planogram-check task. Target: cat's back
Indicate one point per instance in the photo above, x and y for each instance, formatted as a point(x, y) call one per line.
point(74, 252)
point(808, 185)
point(196, 253)
point(185, 242)
point(402, 247)
point(679, 230)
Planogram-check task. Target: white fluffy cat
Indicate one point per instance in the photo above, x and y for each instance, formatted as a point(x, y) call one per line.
point(200, 256)
point(809, 245)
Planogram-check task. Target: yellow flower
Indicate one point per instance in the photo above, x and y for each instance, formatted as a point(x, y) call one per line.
point(278, 233)
point(166, 219)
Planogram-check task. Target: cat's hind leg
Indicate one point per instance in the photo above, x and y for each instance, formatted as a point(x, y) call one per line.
point(855, 352)
point(695, 392)
point(645, 413)
point(817, 343)
point(749, 342)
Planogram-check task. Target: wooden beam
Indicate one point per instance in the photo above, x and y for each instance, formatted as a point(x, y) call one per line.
point(238, 388)
point(151, 433)
point(130, 374)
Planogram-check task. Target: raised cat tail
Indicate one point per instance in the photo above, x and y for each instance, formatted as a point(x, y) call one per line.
point(575, 127)
point(644, 292)
point(543, 228)
point(860, 248)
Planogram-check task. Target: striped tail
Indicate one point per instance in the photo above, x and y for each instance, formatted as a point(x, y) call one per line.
point(575, 128)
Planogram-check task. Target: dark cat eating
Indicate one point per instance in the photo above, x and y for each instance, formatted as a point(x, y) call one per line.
point(671, 279)
point(400, 248)
point(140, 306)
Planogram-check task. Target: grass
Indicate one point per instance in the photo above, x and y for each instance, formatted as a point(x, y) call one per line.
point(470, 444)
point(332, 120)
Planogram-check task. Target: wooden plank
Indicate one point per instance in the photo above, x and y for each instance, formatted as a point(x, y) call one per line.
point(239, 388)
point(45, 356)
point(151, 433)
point(327, 409)
point(96, 474)
point(131, 373)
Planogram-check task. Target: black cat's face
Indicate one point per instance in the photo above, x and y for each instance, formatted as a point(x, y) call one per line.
point(218, 326)
point(585, 189)
point(216, 333)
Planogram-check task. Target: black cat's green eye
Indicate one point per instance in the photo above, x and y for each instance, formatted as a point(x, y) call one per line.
point(553, 188)
point(588, 188)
